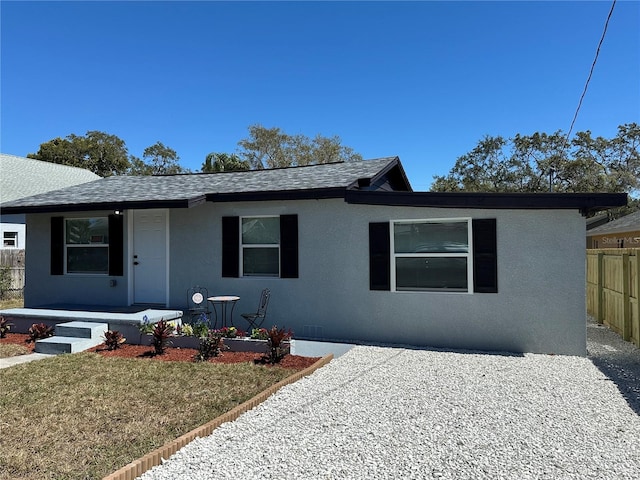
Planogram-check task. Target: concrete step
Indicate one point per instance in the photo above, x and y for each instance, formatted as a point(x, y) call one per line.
point(81, 330)
point(72, 337)
point(57, 344)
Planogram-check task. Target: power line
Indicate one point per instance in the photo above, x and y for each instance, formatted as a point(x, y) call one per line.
point(593, 66)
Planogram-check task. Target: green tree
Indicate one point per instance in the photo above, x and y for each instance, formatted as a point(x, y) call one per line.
point(158, 159)
point(224, 162)
point(99, 152)
point(273, 148)
point(138, 167)
point(543, 162)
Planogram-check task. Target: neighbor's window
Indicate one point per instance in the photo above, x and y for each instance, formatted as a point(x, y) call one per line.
point(10, 239)
point(87, 245)
point(260, 243)
point(432, 255)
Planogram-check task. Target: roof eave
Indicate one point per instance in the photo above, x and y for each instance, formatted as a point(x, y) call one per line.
point(98, 206)
point(305, 194)
point(585, 202)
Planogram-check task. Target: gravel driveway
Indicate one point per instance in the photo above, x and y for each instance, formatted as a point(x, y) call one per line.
point(390, 413)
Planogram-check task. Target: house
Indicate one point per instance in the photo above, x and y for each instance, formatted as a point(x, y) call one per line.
point(348, 250)
point(22, 177)
point(621, 233)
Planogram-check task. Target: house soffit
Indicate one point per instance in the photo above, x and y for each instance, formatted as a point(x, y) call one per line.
point(584, 202)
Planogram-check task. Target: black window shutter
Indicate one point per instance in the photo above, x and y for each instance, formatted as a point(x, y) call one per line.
point(230, 246)
point(379, 256)
point(485, 256)
point(116, 245)
point(289, 246)
point(57, 245)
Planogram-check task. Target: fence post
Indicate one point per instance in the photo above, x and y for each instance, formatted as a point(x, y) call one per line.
point(626, 283)
point(11, 273)
point(600, 289)
point(637, 290)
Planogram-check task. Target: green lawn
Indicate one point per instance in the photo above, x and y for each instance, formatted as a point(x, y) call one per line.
point(84, 416)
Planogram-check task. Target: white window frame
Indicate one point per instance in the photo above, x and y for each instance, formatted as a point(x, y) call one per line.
point(11, 239)
point(468, 255)
point(84, 245)
point(258, 245)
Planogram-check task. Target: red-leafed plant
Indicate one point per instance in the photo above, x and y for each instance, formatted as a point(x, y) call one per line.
point(113, 339)
point(38, 331)
point(161, 335)
point(5, 326)
point(275, 348)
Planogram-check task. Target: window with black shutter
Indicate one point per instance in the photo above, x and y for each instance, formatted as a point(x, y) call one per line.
point(437, 255)
point(263, 246)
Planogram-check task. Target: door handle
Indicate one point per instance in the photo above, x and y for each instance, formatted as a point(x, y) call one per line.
point(136, 263)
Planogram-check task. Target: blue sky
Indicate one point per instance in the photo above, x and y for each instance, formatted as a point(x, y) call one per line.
point(421, 80)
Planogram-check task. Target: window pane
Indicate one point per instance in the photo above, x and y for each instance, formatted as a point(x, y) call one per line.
point(261, 230)
point(431, 273)
point(428, 237)
point(261, 261)
point(10, 239)
point(87, 260)
point(87, 231)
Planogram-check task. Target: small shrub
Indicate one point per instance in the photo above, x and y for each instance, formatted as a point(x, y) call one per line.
point(211, 346)
point(146, 327)
point(259, 334)
point(185, 329)
point(231, 332)
point(5, 326)
point(275, 351)
point(113, 339)
point(200, 329)
point(162, 332)
point(38, 331)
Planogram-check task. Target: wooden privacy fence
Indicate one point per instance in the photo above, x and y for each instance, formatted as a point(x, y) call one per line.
point(11, 273)
point(613, 289)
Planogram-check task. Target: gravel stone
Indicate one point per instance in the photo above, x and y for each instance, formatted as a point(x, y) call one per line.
point(388, 413)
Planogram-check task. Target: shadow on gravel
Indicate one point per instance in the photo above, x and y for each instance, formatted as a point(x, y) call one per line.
point(463, 352)
point(617, 359)
point(617, 369)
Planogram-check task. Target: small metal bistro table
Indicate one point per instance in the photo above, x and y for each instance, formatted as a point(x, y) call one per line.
point(224, 301)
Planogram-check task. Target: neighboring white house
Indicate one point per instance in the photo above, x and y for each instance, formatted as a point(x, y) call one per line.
point(348, 250)
point(22, 177)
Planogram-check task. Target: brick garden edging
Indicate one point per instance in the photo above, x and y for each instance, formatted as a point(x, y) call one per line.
point(150, 460)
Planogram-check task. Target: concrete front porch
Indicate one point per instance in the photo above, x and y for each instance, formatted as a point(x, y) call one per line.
point(127, 320)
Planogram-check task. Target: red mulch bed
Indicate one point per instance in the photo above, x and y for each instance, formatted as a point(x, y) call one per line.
point(172, 354)
point(18, 339)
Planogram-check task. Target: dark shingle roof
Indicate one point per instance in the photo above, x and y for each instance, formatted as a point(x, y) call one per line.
point(313, 181)
point(374, 182)
point(628, 223)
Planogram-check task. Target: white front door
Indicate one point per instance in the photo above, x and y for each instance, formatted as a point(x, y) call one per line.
point(149, 256)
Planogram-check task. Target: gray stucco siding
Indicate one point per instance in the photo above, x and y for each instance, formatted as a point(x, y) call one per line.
point(42, 288)
point(539, 307)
